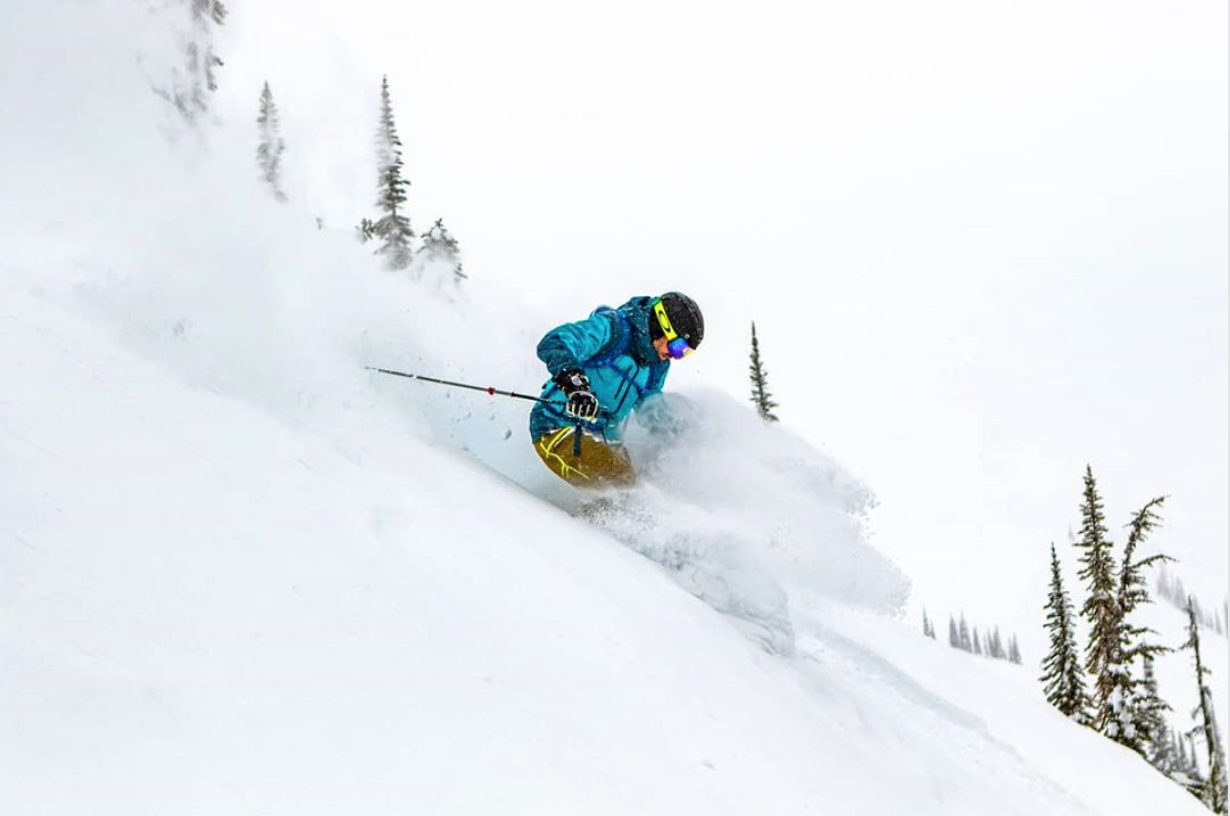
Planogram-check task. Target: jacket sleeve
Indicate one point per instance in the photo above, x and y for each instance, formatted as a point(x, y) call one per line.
point(571, 344)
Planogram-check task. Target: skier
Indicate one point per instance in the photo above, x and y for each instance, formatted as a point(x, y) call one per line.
point(605, 367)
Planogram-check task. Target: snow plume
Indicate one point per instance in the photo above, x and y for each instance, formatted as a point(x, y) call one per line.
point(744, 515)
point(200, 271)
point(748, 516)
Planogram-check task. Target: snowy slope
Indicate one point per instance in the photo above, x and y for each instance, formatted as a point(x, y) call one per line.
point(238, 574)
point(206, 609)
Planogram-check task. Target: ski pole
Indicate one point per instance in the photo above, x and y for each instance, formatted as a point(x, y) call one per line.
point(487, 388)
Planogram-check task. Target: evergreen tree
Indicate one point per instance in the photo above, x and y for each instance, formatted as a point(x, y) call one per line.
point(1142, 709)
point(191, 84)
point(760, 385)
point(442, 247)
point(995, 648)
point(1211, 790)
point(393, 228)
point(954, 638)
point(209, 11)
point(1159, 742)
point(1182, 763)
point(1014, 651)
point(1104, 654)
point(1133, 589)
point(270, 146)
point(1164, 757)
point(977, 642)
point(1062, 679)
point(927, 631)
point(963, 628)
point(1185, 772)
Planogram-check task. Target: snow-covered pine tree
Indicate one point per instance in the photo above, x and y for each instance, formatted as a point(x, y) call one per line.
point(270, 145)
point(209, 11)
point(1187, 771)
point(190, 86)
point(1104, 654)
point(926, 624)
point(963, 629)
point(954, 638)
point(1014, 651)
point(1165, 756)
point(1160, 749)
point(761, 397)
point(1212, 790)
point(1062, 680)
point(441, 247)
point(1182, 763)
point(977, 643)
point(393, 228)
point(1142, 709)
point(995, 648)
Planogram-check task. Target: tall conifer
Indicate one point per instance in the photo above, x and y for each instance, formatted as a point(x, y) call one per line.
point(270, 145)
point(1211, 790)
point(1062, 679)
point(393, 228)
point(1104, 654)
point(191, 85)
point(1142, 708)
point(1160, 743)
point(1014, 651)
point(760, 385)
point(212, 11)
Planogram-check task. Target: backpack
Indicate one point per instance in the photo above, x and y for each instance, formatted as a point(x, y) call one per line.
point(621, 341)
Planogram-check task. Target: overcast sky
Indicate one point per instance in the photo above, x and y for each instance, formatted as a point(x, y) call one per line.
point(984, 242)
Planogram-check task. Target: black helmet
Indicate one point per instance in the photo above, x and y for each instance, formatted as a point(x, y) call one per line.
point(685, 317)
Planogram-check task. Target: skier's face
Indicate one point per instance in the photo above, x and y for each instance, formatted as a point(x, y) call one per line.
point(661, 346)
point(670, 344)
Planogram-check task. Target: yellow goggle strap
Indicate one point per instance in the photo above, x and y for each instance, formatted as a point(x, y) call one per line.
point(668, 330)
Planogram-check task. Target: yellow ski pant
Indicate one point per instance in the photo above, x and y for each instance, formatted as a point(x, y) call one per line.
point(596, 465)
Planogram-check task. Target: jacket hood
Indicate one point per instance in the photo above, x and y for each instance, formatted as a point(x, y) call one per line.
point(640, 309)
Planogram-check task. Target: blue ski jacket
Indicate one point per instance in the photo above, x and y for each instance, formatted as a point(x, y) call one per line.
point(614, 349)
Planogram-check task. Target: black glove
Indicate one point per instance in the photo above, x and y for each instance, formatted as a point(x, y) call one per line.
point(582, 404)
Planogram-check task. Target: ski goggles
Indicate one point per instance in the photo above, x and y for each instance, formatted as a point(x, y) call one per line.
point(675, 345)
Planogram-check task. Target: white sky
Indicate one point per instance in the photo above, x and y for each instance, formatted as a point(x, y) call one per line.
point(984, 242)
